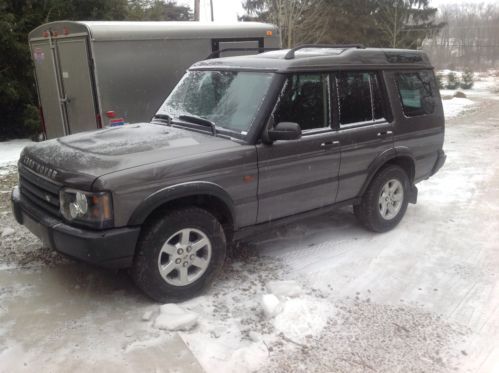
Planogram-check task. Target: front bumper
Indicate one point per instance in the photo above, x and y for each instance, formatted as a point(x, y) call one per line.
point(113, 248)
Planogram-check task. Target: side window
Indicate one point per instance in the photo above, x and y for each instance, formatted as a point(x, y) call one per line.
point(305, 101)
point(354, 97)
point(416, 92)
point(360, 97)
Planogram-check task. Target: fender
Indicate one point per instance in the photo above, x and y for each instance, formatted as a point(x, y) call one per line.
point(171, 193)
point(381, 160)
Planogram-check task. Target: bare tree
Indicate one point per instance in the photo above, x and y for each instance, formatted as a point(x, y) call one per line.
point(295, 18)
point(470, 39)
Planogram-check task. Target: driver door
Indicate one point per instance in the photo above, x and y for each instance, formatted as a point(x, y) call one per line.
point(300, 175)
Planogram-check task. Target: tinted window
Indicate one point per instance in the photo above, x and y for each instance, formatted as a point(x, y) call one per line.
point(304, 101)
point(360, 97)
point(416, 92)
point(354, 96)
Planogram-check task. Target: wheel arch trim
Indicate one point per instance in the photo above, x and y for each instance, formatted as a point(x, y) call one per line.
point(178, 191)
point(384, 158)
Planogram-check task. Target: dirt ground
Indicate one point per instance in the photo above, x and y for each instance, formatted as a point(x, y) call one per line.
point(421, 298)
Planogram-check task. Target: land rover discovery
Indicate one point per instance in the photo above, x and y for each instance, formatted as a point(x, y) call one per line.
point(241, 144)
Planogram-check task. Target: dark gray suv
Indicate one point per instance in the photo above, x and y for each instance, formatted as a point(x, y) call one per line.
point(241, 144)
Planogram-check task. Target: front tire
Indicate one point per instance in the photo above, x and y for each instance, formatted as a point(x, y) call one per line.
point(179, 254)
point(385, 201)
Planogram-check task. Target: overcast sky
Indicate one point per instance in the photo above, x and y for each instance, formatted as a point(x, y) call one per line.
point(227, 10)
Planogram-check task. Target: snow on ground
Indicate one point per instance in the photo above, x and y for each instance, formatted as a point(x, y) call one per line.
point(485, 87)
point(320, 295)
point(10, 151)
point(455, 106)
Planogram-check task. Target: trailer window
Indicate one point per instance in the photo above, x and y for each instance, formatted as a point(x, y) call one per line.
point(230, 99)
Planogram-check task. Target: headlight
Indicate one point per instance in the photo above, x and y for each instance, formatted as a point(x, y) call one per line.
point(91, 209)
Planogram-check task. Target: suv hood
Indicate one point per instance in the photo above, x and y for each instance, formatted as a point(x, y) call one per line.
point(81, 158)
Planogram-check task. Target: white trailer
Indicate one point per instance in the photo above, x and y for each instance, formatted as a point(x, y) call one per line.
point(91, 73)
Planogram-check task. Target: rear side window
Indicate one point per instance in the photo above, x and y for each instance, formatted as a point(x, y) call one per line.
point(360, 97)
point(417, 92)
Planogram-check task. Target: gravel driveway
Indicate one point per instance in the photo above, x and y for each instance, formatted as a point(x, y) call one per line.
point(423, 297)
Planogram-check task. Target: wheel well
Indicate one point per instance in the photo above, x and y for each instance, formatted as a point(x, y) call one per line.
point(213, 205)
point(406, 163)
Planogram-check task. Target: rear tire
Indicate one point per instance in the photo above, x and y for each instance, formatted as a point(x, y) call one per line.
point(179, 254)
point(384, 203)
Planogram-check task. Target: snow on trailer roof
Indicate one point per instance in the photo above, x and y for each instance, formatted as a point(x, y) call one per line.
point(311, 58)
point(146, 30)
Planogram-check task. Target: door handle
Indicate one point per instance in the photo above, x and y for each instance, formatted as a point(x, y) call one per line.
point(384, 133)
point(328, 144)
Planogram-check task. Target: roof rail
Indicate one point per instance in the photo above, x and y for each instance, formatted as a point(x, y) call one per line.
point(291, 53)
point(217, 52)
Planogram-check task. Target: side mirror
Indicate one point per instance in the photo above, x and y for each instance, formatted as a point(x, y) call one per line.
point(285, 131)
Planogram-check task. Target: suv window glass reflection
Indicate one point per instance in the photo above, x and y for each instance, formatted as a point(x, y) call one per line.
point(230, 99)
point(416, 92)
point(305, 101)
point(354, 97)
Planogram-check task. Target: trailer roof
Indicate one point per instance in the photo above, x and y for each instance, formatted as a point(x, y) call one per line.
point(146, 30)
point(321, 58)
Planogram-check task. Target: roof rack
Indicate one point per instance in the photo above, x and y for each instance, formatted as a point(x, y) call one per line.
point(260, 50)
point(291, 53)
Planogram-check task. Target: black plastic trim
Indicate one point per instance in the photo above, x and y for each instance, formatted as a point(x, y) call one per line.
point(255, 229)
point(174, 192)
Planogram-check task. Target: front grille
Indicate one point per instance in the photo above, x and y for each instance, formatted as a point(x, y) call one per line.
point(40, 191)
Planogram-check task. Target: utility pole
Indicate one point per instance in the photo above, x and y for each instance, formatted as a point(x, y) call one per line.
point(211, 10)
point(196, 10)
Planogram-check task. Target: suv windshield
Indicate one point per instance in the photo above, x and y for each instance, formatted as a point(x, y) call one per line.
point(230, 99)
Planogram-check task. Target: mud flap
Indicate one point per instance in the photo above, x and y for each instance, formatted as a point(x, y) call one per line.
point(413, 194)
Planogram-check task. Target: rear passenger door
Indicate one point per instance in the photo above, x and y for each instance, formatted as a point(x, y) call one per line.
point(300, 175)
point(362, 117)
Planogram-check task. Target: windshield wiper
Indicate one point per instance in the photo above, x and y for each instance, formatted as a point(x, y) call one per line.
point(201, 121)
point(164, 117)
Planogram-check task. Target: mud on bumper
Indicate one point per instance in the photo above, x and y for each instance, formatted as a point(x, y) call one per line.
point(112, 248)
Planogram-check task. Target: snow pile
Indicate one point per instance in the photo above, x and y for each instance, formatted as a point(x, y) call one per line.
point(8, 231)
point(301, 319)
point(296, 317)
point(173, 317)
point(271, 305)
point(456, 105)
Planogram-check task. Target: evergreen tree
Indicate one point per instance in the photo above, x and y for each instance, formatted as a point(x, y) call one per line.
point(18, 100)
point(440, 83)
point(452, 81)
point(467, 79)
point(375, 23)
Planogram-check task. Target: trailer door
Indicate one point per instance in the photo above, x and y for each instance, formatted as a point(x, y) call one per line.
point(77, 87)
point(48, 92)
